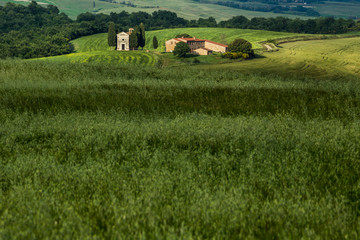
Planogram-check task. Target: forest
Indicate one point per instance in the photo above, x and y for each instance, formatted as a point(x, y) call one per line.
point(35, 31)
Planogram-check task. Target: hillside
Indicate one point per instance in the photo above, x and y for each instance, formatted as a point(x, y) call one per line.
point(221, 35)
point(190, 9)
point(184, 8)
point(317, 59)
point(95, 48)
point(320, 59)
point(102, 151)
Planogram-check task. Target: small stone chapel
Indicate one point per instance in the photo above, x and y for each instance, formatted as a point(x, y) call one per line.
point(123, 43)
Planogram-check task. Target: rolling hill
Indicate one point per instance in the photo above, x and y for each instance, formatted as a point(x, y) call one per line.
point(95, 48)
point(326, 58)
point(184, 8)
point(190, 9)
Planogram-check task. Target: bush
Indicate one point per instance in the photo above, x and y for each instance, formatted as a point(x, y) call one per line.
point(196, 61)
point(181, 49)
point(241, 45)
point(184, 35)
point(233, 55)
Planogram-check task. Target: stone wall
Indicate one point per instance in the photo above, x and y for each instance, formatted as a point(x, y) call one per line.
point(215, 47)
point(195, 45)
point(170, 45)
point(202, 51)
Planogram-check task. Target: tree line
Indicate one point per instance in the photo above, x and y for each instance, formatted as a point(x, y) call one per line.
point(36, 31)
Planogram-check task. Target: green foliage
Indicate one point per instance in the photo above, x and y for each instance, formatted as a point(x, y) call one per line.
point(233, 55)
point(241, 45)
point(183, 35)
point(181, 49)
point(141, 35)
point(112, 41)
point(101, 151)
point(133, 40)
point(155, 42)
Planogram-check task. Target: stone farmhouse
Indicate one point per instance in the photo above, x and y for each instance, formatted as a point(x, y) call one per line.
point(123, 43)
point(197, 46)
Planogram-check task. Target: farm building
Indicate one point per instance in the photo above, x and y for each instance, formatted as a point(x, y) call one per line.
point(197, 46)
point(123, 40)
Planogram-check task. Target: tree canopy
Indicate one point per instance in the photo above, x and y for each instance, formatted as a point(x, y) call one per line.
point(112, 35)
point(241, 45)
point(181, 49)
point(155, 42)
point(184, 35)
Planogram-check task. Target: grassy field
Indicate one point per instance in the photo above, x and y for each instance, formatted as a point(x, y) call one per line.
point(184, 8)
point(222, 35)
point(94, 48)
point(269, 148)
point(93, 151)
point(339, 9)
point(319, 59)
point(191, 10)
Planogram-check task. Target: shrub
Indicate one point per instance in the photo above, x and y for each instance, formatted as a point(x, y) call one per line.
point(181, 49)
point(241, 45)
point(184, 35)
point(245, 56)
point(196, 61)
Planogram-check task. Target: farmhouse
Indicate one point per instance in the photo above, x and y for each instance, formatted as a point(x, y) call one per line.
point(123, 40)
point(197, 46)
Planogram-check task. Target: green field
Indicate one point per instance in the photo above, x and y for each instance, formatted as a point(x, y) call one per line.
point(98, 151)
point(95, 147)
point(339, 9)
point(222, 35)
point(94, 48)
point(184, 8)
point(319, 59)
point(192, 10)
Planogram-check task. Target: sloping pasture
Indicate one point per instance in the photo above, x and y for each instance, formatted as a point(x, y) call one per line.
point(221, 35)
point(320, 59)
point(94, 48)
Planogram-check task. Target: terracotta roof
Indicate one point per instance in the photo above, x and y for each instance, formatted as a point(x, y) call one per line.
point(198, 40)
point(194, 39)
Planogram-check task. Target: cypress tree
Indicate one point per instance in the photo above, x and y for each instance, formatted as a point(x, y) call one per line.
point(133, 41)
point(137, 30)
point(112, 35)
point(155, 42)
point(142, 36)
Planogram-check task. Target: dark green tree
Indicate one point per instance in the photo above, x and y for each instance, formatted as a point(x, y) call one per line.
point(241, 45)
point(133, 41)
point(155, 42)
point(141, 40)
point(112, 35)
point(138, 34)
point(181, 49)
point(184, 35)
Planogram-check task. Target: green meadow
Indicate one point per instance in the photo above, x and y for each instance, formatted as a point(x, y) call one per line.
point(318, 59)
point(95, 48)
point(221, 35)
point(184, 8)
point(96, 146)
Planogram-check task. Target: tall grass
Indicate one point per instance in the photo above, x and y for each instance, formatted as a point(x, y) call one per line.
point(96, 151)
